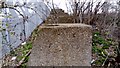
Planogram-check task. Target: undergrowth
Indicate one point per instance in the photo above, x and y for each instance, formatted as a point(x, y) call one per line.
point(21, 54)
point(104, 51)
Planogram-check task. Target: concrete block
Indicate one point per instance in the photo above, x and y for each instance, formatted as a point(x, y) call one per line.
point(62, 45)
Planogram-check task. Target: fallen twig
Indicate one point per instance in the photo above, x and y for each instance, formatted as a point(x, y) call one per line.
point(21, 61)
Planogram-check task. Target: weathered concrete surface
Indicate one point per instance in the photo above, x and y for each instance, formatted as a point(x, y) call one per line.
point(62, 45)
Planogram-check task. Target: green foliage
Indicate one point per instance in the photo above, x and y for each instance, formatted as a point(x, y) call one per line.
point(21, 52)
point(24, 50)
point(99, 47)
point(97, 39)
point(23, 66)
